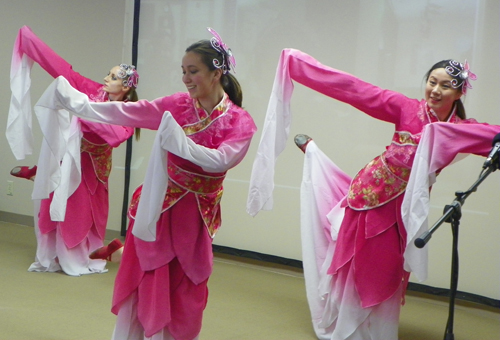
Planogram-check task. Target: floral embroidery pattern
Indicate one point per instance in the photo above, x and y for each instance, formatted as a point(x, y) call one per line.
point(376, 184)
point(208, 191)
point(386, 177)
point(209, 206)
point(206, 120)
point(100, 154)
point(197, 183)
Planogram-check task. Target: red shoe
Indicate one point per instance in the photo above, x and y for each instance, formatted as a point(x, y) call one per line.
point(104, 253)
point(301, 141)
point(24, 172)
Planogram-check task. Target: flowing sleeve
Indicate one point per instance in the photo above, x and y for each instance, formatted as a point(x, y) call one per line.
point(437, 149)
point(37, 50)
point(28, 48)
point(295, 65)
point(141, 114)
point(59, 167)
point(114, 135)
point(171, 138)
point(61, 96)
point(19, 121)
point(272, 141)
point(226, 156)
point(379, 103)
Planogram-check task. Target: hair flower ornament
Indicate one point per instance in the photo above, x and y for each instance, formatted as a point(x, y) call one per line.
point(228, 61)
point(129, 75)
point(461, 74)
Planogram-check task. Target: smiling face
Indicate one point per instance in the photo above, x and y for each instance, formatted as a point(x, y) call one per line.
point(439, 93)
point(201, 83)
point(113, 85)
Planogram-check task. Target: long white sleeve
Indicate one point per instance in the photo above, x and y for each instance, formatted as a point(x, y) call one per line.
point(272, 142)
point(19, 122)
point(59, 162)
point(174, 140)
point(171, 137)
point(60, 95)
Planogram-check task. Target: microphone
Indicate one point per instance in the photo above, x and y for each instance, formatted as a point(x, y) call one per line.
point(495, 150)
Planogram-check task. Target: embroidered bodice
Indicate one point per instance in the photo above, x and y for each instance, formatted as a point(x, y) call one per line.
point(207, 129)
point(386, 176)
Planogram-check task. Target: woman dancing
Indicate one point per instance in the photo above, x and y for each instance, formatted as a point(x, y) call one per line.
point(161, 286)
point(65, 243)
point(356, 235)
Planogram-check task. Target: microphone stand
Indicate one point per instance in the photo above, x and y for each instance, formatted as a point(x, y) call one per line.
point(452, 214)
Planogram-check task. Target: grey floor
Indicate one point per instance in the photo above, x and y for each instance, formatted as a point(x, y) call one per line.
point(248, 300)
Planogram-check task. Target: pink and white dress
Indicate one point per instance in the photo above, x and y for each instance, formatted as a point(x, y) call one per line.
point(64, 242)
point(358, 236)
point(161, 286)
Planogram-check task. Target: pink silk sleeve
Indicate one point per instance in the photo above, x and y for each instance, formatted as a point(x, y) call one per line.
point(296, 65)
point(31, 45)
point(114, 135)
point(440, 145)
point(447, 140)
point(382, 104)
point(142, 114)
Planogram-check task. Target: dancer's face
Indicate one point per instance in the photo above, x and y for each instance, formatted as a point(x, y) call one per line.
point(201, 83)
point(113, 85)
point(439, 93)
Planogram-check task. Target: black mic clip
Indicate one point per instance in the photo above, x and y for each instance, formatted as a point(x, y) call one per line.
point(493, 159)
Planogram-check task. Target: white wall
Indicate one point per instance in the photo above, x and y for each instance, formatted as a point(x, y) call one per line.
point(389, 43)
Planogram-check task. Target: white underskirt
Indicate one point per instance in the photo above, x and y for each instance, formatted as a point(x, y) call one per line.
point(52, 254)
point(128, 326)
point(334, 303)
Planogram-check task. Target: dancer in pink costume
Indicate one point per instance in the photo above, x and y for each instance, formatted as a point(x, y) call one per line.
point(161, 286)
point(66, 239)
point(357, 237)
